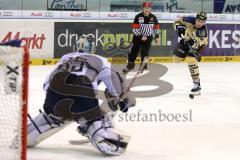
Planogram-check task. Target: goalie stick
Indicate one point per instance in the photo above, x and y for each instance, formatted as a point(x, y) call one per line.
point(140, 69)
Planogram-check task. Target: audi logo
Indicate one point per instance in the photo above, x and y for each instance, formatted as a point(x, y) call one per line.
point(48, 14)
point(123, 15)
point(86, 14)
point(7, 14)
point(222, 16)
point(159, 15)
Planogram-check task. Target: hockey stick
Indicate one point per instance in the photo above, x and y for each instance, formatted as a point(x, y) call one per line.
point(78, 142)
point(140, 69)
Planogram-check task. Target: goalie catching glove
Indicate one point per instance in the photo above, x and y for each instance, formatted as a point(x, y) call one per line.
point(116, 103)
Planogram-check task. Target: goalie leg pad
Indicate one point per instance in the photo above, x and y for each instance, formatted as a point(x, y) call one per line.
point(103, 137)
point(42, 127)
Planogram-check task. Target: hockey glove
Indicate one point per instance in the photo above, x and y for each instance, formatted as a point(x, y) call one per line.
point(190, 42)
point(180, 30)
point(123, 105)
point(129, 101)
point(112, 101)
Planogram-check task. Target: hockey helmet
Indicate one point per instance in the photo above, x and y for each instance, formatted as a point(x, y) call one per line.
point(202, 16)
point(147, 4)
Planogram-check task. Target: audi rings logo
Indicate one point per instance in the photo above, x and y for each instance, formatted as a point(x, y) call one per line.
point(159, 15)
point(222, 17)
point(7, 14)
point(123, 15)
point(86, 15)
point(48, 14)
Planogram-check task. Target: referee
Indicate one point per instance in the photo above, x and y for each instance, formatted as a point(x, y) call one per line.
point(144, 27)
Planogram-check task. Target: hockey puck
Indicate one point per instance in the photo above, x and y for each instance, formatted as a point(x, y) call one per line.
point(191, 96)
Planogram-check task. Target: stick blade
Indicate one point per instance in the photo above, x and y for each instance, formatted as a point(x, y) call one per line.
point(78, 142)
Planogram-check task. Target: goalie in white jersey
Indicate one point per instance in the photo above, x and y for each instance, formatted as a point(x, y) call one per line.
point(71, 96)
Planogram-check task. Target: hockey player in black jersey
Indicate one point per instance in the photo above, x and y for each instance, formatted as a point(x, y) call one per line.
point(194, 38)
point(145, 27)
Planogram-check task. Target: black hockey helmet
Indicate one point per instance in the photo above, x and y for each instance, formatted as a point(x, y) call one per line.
point(202, 15)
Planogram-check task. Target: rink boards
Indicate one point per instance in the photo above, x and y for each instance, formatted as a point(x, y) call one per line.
point(51, 61)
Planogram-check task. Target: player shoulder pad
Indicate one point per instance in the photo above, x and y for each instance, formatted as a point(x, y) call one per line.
point(189, 20)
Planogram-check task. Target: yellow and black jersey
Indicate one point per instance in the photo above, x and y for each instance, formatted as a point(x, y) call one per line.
point(199, 35)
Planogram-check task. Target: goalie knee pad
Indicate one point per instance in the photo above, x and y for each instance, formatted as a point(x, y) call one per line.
point(42, 127)
point(103, 137)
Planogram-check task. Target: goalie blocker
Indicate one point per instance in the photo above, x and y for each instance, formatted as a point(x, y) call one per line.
point(71, 97)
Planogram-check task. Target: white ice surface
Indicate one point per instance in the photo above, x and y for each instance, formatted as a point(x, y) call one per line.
point(213, 133)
